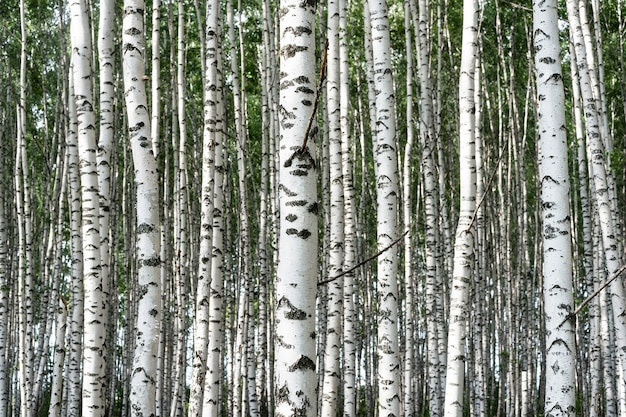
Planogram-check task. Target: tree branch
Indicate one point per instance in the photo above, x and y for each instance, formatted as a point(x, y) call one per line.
point(487, 188)
point(594, 294)
point(360, 264)
point(302, 150)
point(317, 97)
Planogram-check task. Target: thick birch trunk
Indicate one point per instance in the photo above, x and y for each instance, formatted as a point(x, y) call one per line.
point(295, 286)
point(213, 137)
point(387, 193)
point(94, 329)
point(557, 250)
point(604, 188)
point(144, 368)
point(106, 49)
point(464, 241)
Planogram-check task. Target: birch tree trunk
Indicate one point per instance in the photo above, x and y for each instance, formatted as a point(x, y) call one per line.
point(144, 368)
point(24, 264)
point(387, 193)
point(5, 275)
point(213, 137)
point(554, 182)
point(464, 239)
point(106, 57)
point(94, 329)
point(434, 296)
point(76, 256)
point(408, 372)
point(180, 232)
point(348, 145)
point(596, 152)
point(332, 370)
point(295, 286)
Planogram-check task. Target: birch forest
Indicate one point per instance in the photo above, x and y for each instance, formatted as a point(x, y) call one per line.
point(302, 208)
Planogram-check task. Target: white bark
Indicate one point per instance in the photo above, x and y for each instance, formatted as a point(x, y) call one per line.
point(76, 249)
point(554, 179)
point(332, 370)
point(387, 193)
point(56, 390)
point(213, 137)
point(434, 296)
point(155, 77)
point(348, 145)
point(263, 254)
point(106, 50)
point(203, 286)
point(604, 188)
point(24, 221)
point(94, 300)
point(4, 304)
point(464, 239)
point(143, 375)
point(295, 285)
point(409, 347)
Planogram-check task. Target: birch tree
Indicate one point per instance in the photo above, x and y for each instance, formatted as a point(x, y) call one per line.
point(94, 311)
point(4, 293)
point(596, 154)
point(332, 371)
point(387, 192)
point(554, 179)
point(213, 137)
point(464, 238)
point(25, 288)
point(143, 374)
point(350, 222)
point(296, 276)
point(434, 296)
point(76, 257)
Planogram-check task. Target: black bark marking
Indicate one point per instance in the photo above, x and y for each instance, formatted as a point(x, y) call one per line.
point(291, 217)
point(547, 60)
point(282, 394)
point(299, 30)
point(304, 363)
point(304, 234)
point(289, 51)
point(292, 312)
point(287, 191)
point(133, 31)
point(302, 80)
point(541, 32)
point(305, 90)
point(556, 77)
point(145, 228)
point(296, 203)
point(155, 261)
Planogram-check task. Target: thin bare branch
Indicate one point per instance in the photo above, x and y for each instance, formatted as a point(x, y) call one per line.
point(360, 264)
